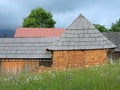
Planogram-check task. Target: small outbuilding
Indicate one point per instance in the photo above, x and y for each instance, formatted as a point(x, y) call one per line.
point(80, 45)
point(115, 38)
point(21, 55)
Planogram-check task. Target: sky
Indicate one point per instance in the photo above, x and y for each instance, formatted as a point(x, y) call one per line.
point(104, 12)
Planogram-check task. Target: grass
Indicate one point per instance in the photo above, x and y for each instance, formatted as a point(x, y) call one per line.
point(104, 77)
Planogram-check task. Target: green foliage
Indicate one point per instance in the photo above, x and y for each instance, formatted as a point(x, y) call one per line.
point(115, 26)
point(104, 77)
point(39, 18)
point(101, 28)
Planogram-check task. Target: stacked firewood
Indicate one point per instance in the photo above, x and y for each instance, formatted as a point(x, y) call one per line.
point(79, 58)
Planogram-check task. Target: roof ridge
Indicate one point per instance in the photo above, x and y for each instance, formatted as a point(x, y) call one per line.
point(81, 23)
point(86, 37)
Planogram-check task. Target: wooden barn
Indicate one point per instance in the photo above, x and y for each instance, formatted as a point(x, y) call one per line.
point(115, 38)
point(80, 45)
point(27, 50)
point(24, 54)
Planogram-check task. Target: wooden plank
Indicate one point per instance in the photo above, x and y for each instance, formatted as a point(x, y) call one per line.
point(16, 66)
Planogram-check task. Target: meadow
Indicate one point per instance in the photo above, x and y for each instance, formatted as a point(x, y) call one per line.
point(103, 77)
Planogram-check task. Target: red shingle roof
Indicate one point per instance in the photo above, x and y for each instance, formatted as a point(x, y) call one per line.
point(39, 32)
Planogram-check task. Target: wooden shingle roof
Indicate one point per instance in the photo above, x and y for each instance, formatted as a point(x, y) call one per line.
point(115, 38)
point(81, 35)
point(25, 47)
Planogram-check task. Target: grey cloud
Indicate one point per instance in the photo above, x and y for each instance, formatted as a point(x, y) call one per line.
point(54, 5)
point(105, 12)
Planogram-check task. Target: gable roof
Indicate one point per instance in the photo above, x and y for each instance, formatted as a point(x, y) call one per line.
point(81, 35)
point(38, 32)
point(25, 47)
point(81, 23)
point(115, 38)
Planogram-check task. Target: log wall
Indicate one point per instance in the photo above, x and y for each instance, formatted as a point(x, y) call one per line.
point(79, 58)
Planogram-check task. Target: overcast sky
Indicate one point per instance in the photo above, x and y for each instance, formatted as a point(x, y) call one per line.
point(102, 12)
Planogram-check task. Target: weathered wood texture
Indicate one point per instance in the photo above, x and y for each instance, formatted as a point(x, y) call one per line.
point(16, 66)
point(79, 58)
point(116, 56)
point(113, 56)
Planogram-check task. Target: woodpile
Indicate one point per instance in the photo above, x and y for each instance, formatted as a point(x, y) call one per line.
point(68, 58)
point(79, 58)
point(94, 57)
point(42, 69)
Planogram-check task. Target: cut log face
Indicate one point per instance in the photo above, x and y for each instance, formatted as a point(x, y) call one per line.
point(94, 57)
point(79, 58)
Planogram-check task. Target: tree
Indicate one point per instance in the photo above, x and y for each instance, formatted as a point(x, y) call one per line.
point(115, 26)
point(39, 18)
point(101, 28)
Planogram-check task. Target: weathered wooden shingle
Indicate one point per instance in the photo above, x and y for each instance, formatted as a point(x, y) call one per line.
point(80, 35)
point(115, 38)
point(25, 47)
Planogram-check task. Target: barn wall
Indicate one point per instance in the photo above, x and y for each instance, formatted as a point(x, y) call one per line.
point(16, 66)
point(113, 56)
point(0, 66)
point(79, 58)
point(116, 56)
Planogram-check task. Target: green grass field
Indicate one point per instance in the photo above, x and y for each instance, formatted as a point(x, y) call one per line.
point(104, 77)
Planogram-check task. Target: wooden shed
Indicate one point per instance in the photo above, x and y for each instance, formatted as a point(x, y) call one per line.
point(27, 50)
point(80, 45)
point(20, 55)
point(115, 38)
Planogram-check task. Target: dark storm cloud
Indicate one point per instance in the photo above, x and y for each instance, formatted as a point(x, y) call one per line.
point(103, 12)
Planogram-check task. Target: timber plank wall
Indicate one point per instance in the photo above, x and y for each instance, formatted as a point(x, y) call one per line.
point(116, 56)
point(79, 58)
point(17, 66)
